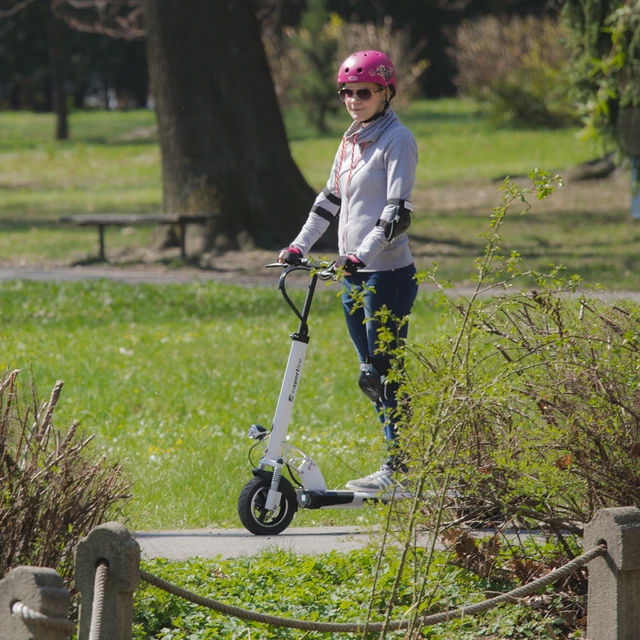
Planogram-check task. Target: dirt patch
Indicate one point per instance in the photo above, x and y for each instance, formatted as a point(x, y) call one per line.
point(480, 197)
point(472, 198)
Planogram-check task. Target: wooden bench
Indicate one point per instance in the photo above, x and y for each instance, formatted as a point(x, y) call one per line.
point(103, 220)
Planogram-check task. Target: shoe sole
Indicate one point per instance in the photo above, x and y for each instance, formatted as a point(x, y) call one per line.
point(396, 492)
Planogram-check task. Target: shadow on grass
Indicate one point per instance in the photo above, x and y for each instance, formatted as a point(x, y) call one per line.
point(190, 261)
point(13, 224)
point(89, 261)
point(55, 147)
point(176, 263)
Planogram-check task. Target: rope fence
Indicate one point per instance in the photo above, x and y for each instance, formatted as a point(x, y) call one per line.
point(29, 615)
point(99, 590)
point(108, 573)
point(361, 627)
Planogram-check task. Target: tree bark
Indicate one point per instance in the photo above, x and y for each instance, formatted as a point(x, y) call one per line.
point(222, 137)
point(56, 65)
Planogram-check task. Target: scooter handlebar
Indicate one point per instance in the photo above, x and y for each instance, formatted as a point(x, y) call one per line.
point(325, 268)
point(321, 270)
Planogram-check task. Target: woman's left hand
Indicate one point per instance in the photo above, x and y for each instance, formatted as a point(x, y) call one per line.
point(349, 263)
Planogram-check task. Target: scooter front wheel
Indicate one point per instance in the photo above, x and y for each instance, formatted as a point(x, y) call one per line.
point(255, 517)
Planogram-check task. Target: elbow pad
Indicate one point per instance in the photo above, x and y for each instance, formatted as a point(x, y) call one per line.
point(401, 220)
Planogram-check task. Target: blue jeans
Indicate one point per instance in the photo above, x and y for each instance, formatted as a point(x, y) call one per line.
point(397, 291)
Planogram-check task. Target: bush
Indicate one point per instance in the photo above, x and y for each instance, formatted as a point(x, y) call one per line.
point(516, 68)
point(304, 61)
point(396, 44)
point(524, 414)
point(51, 493)
point(529, 409)
point(605, 39)
point(315, 47)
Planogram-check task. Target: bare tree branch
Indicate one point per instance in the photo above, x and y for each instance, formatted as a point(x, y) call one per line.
point(15, 9)
point(113, 18)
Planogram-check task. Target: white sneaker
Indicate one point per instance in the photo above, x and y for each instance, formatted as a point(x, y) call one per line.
point(380, 481)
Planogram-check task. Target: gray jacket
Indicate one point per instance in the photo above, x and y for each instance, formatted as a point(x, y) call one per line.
point(374, 164)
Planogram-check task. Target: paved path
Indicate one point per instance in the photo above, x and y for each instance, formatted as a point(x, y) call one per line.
point(231, 543)
point(255, 277)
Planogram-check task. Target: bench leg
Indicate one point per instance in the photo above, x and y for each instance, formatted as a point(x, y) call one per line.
point(101, 241)
point(183, 240)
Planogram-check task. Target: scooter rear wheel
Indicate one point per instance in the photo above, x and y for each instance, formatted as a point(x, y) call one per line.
point(255, 518)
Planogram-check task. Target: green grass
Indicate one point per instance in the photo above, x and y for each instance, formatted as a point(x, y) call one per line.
point(170, 377)
point(601, 246)
point(101, 168)
point(112, 164)
point(330, 588)
point(455, 143)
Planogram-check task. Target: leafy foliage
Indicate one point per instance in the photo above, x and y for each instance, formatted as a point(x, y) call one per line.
point(305, 59)
point(526, 413)
point(605, 37)
point(331, 587)
point(316, 49)
point(532, 403)
point(516, 68)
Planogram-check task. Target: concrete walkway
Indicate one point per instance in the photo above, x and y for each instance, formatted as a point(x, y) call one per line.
point(155, 275)
point(232, 543)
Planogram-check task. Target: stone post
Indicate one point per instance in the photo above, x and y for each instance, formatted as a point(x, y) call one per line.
point(113, 544)
point(43, 591)
point(614, 578)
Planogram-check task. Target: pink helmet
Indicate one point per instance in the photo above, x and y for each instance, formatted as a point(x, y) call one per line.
point(368, 66)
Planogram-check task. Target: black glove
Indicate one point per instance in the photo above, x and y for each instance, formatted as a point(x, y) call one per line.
point(349, 264)
point(290, 255)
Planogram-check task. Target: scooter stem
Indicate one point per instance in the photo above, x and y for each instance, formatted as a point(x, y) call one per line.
point(288, 391)
point(297, 354)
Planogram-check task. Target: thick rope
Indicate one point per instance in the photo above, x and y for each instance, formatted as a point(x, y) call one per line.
point(99, 589)
point(360, 627)
point(59, 624)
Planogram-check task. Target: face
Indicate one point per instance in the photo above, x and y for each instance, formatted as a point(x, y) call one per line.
point(360, 109)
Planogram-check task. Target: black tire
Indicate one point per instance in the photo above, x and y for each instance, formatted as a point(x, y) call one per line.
point(252, 512)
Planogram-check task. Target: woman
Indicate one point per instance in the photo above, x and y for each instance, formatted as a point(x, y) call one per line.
point(369, 191)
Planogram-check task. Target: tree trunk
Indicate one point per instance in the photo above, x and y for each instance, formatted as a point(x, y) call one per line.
point(222, 138)
point(14, 96)
point(56, 65)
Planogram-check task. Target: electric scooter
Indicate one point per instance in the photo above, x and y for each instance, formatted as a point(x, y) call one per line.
point(269, 501)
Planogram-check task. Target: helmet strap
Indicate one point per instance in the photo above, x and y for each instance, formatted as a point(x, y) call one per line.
point(377, 115)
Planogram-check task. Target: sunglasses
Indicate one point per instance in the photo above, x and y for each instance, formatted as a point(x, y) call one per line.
point(362, 94)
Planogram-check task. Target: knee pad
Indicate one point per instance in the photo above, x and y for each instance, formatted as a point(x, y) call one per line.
point(371, 383)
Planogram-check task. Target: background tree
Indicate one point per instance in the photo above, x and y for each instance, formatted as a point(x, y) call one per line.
point(24, 75)
point(434, 21)
point(223, 143)
point(605, 35)
point(315, 89)
point(222, 137)
point(46, 57)
point(55, 31)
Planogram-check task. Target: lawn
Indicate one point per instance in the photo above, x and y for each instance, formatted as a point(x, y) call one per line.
point(112, 164)
point(169, 378)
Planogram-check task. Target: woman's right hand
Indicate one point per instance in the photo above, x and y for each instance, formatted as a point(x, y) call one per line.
point(290, 255)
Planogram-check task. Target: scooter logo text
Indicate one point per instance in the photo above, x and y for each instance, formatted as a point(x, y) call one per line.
point(292, 395)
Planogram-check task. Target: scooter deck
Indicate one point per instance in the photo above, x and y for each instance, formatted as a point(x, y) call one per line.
point(338, 499)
